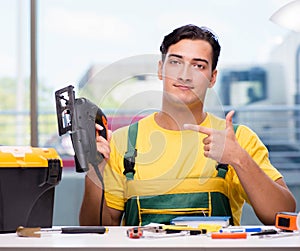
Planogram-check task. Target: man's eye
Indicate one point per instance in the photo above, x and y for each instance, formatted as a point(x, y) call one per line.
point(174, 62)
point(199, 66)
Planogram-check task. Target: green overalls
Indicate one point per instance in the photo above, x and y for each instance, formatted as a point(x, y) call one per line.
point(189, 196)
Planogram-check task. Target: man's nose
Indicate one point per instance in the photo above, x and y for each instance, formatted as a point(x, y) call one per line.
point(185, 73)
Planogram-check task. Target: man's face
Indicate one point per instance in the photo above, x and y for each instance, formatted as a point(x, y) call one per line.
point(187, 72)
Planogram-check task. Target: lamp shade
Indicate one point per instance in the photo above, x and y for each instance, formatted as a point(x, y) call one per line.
point(288, 16)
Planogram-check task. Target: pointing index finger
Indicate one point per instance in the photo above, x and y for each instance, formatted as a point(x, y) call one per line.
point(197, 128)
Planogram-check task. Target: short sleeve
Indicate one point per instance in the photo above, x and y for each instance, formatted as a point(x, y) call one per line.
point(114, 179)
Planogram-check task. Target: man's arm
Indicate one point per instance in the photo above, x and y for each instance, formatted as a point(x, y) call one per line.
point(90, 208)
point(266, 196)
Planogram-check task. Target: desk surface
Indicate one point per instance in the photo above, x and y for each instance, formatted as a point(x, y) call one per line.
point(116, 239)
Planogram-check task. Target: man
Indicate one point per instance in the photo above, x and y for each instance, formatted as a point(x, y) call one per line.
point(186, 161)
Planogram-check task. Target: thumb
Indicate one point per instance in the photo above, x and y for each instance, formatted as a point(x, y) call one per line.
point(229, 117)
point(109, 135)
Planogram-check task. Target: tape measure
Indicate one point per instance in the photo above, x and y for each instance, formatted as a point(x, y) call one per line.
point(287, 221)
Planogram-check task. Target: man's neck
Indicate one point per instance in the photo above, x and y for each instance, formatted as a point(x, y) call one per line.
point(175, 117)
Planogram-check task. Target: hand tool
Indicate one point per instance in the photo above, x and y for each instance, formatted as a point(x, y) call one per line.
point(287, 221)
point(137, 232)
point(79, 116)
point(37, 231)
point(266, 232)
point(238, 235)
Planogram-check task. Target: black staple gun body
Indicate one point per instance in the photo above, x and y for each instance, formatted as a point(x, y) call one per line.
point(78, 116)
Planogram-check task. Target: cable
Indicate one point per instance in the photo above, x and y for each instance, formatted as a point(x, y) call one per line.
point(102, 184)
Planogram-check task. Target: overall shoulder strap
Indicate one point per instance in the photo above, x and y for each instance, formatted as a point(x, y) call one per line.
point(129, 157)
point(235, 127)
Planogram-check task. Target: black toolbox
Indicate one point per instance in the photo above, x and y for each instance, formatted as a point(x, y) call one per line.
point(28, 176)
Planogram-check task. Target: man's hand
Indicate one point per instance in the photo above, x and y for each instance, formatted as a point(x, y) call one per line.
point(220, 145)
point(102, 143)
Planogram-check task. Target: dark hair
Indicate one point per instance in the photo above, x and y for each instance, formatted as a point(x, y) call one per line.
point(192, 32)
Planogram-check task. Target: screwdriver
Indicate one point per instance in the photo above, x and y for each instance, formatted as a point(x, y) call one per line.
point(36, 231)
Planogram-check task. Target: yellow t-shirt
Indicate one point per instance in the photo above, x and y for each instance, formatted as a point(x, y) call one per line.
point(167, 154)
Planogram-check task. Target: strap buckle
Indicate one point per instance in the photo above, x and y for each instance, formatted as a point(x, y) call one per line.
point(129, 162)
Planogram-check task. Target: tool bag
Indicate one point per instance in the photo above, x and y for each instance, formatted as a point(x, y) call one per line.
point(190, 196)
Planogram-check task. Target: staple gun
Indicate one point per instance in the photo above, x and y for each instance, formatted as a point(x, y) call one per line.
point(78, 116)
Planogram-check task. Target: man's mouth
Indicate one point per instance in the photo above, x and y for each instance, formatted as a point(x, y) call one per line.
point(183, 87)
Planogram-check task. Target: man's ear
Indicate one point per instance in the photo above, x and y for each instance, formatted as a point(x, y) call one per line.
point(213, 79)
point(159, 72)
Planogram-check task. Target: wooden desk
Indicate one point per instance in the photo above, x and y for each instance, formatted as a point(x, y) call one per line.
point(116, 239)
